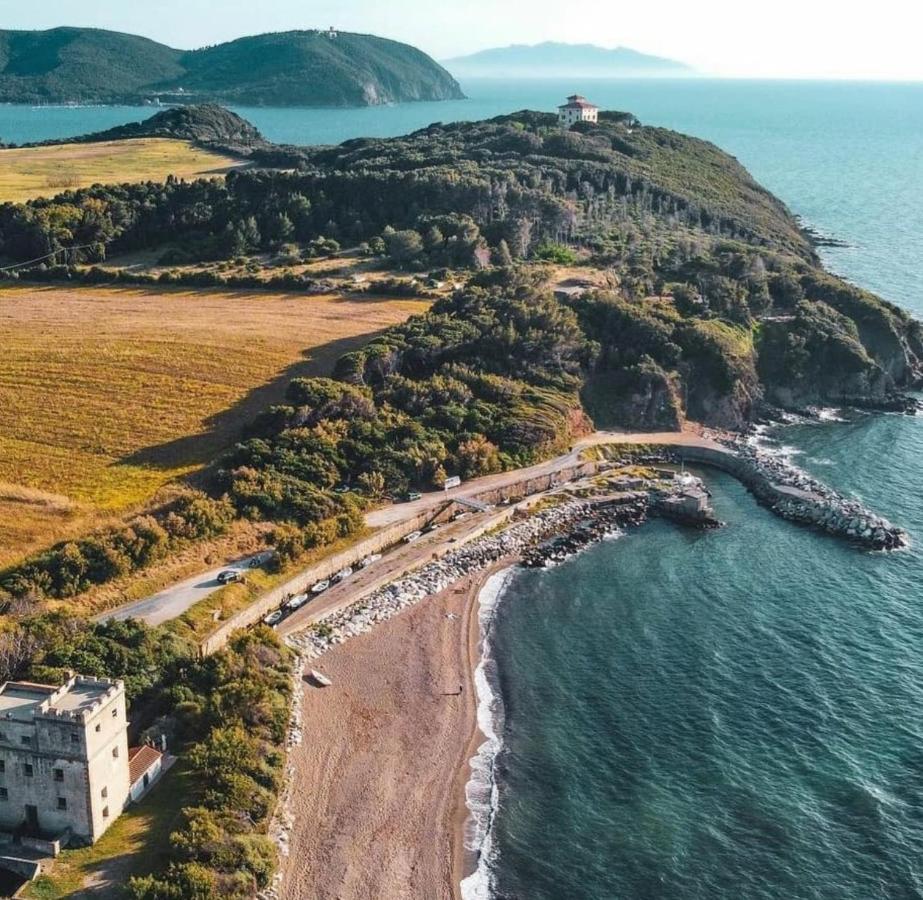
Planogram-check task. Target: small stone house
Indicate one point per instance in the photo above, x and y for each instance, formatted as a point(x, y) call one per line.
point(145, 766)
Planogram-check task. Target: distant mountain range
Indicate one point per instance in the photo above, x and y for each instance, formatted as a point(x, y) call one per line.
point(551, 60)
point(294, 68)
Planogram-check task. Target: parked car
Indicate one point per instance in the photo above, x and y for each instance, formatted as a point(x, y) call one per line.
point(273, 618)
point(371, 558)
point(414, 495)
point(229, 576)
point(413, 536)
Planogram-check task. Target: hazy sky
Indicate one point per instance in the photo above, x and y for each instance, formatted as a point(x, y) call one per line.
point(784, 38)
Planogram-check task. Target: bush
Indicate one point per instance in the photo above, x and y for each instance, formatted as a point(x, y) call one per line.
point(556, 253)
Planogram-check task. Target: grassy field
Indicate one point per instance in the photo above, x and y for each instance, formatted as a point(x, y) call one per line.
point(45, 171)
point(108, 394)
point(137, 843)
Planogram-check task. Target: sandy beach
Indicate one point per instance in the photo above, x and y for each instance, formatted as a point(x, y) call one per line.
point(379, 786)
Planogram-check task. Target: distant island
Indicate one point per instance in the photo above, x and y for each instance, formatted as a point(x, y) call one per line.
point(294, 68)
point(552, 59)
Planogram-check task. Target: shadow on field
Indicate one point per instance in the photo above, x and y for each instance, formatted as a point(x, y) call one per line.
point(224, 429)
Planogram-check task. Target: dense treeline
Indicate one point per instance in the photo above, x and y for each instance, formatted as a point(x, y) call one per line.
point(487, 380)
point(517, 180)
point(236, 706)
point(72, 567)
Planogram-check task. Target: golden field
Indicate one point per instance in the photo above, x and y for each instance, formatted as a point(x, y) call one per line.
point(32, 172)
point(108, 394)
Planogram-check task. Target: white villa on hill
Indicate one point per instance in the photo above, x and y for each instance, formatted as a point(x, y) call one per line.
point(577, 109)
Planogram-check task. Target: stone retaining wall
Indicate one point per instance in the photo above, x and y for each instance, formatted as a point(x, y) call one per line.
point(382, 540)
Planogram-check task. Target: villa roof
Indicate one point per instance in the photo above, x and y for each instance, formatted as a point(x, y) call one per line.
point(578, 102)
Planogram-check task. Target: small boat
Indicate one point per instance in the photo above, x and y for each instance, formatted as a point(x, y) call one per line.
point(273, 618)
point(371, 558)
point(318, 679)
point(320, 587)
point(297, 601)
point(343, 574)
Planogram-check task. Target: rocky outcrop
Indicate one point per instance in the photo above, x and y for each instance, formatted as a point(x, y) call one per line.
point(208, 125)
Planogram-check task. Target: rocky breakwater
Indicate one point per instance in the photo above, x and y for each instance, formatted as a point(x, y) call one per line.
point(795, 495)
point(436, 576)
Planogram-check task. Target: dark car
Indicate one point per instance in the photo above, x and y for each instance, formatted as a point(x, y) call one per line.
point(229, 576)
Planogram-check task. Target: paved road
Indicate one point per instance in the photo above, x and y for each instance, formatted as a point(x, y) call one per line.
point(397, 562)
point(397, 512)
point(175, 600)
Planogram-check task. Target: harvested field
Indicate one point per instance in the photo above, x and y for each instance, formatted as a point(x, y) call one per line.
point(107, 394)
point(31, 172)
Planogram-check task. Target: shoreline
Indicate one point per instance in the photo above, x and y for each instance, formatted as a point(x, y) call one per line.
point(464, 861)
point(378, 806)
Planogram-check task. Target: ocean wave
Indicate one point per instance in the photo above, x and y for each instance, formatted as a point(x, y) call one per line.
point(481, 792)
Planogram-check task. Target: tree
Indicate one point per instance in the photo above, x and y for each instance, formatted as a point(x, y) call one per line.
point(373, 483)
point(502, 255)
point(404, 246)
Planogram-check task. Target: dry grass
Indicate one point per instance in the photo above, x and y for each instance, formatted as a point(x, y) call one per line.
point(33, 172)
point(108, 394)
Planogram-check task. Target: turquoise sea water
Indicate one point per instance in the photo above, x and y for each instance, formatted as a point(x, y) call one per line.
point(736, 714)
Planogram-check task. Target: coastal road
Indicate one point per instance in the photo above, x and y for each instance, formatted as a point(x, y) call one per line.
point(398, 512)
point(396, 563)
point(174, 601)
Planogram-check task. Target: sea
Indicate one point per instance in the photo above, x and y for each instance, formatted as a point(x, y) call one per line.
point(725, 715)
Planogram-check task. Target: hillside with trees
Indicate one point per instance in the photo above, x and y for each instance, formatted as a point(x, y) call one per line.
point(295, 68)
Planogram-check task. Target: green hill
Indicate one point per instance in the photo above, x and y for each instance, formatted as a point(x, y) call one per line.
point(296, 68)
point(84, 64)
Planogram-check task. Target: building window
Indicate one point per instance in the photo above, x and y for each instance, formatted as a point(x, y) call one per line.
point(27, 770)
point(105, 812)
point(25, 739)
point(4, 794)
point(2, 766)
point(115, 713)
point(2, 736)
point(98, 726)
point(62, 802)
point(104, 793)
point(75, 737)
point(115, 752)
point(59, 774)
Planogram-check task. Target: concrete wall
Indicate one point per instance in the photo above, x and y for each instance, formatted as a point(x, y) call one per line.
point(382, 540)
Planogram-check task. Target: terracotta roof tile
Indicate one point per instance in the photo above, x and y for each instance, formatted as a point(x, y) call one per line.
point(140, 759)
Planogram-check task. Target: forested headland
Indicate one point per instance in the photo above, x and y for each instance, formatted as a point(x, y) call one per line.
point(715, 303)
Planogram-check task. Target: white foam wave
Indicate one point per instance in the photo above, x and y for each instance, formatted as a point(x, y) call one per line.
point(481, 792)
point(829, 414)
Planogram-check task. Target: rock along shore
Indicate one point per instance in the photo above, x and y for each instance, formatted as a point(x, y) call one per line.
point(793, 494)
